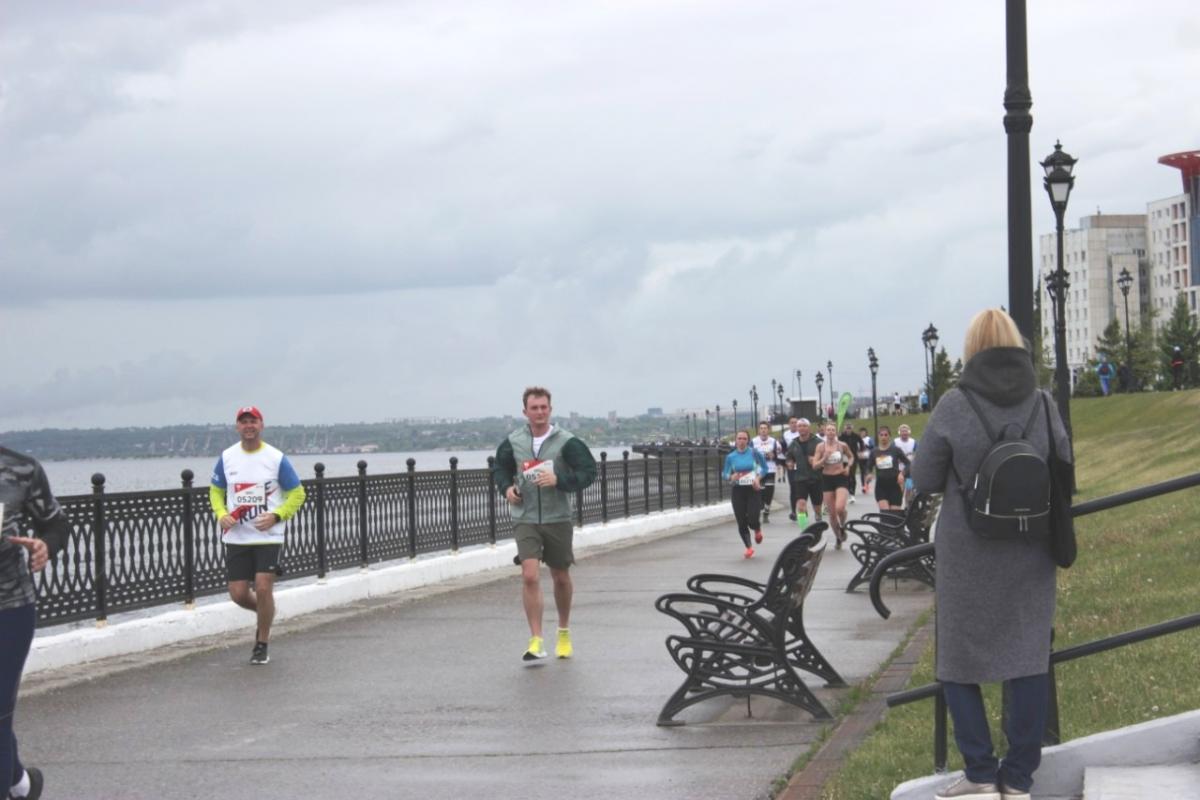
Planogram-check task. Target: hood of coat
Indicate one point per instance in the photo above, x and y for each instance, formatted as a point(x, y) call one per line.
point(1004, 375)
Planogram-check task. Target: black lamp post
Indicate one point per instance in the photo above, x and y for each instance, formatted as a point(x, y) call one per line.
point(719, 422)
point(1017, 124)
point(1058, 182)
point(771, 401)
point(754, 407)
point(779, 391)
point(695, 427)
point(799, 386)
point(1125, 282)
point(706, 439)
point(829, 372)
point(735, 428)
point(820, 379)
point(930, 338)
point(925, 354)
point(873, 362)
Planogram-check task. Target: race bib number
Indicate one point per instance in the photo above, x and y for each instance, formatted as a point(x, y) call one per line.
point(746, 479)
point(863, 455)
point(253, 495)
point(531, 468)
point(884, 462)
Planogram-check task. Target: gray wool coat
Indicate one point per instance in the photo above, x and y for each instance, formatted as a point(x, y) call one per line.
point(995, 598)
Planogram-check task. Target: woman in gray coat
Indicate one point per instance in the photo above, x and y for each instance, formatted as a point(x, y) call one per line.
point(995, 597)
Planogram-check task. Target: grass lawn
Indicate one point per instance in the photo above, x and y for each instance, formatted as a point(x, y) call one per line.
point(1137, 566)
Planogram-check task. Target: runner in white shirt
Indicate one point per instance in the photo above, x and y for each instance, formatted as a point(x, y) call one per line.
point(909, 446)
point(770, 449)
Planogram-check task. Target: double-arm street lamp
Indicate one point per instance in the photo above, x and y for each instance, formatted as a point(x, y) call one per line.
point(820, 379)
point(1125, 282)
point(1058, 182)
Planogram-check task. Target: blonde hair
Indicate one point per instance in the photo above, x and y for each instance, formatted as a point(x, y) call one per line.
point(990, 328)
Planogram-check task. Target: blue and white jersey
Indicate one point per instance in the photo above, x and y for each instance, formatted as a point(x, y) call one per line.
point(254, 483)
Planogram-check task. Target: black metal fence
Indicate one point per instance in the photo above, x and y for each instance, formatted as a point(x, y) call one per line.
point(133, 550)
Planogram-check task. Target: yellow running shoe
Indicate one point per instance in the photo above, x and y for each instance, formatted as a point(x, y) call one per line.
point(563, 648)
point(535, 652)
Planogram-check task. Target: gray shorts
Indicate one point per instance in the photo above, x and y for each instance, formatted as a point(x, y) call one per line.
point(549, 542)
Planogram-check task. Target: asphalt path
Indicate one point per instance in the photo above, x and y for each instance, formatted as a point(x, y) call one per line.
point(426, 696)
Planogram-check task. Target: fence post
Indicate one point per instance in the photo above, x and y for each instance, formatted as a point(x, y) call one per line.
point(604, 487)
point(625, 481)
point(1053, 734)
point(691, 478)
point(99, 546)
point(646, 480)
point(454, 504)
point(661, 455)
point(491, 501)
point(189, 542)
point(720, 477)
point(364, 557)
point(705, 465)
point(579, 507)
point(412, 507)
point(678, 480)
point(319, 468)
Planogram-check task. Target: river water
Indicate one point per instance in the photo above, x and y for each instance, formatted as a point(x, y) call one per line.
point(141, 474)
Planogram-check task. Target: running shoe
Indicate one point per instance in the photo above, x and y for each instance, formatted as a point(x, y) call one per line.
point(35, 785)
point(963, 789)
point(563, 648)
point(1013, 794)
point(852, 501)
point(259, 656)
point(758, 537)
point(792, 516)
point(535, 652)
point(766, 517)
point(749, 553)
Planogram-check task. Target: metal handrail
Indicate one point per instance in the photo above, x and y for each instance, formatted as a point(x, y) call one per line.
point(1106, 644)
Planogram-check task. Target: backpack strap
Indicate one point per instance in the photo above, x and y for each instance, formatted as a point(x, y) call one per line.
point(987, 429)
point(1033, 412)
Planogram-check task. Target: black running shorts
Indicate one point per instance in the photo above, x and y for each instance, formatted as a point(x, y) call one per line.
point(831, 483)
point(244, 561)
point(890, 491)
point(810, 489)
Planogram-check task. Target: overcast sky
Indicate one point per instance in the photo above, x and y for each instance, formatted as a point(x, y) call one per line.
point(365, 210)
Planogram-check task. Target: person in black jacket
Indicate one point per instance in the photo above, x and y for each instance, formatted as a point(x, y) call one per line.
point(26, 506)
point(855, 443)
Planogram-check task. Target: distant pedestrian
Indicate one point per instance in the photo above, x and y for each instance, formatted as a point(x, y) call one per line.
point(1105, 372)
point(924, 401)
point(770, 449)
point(995, 596)
point(744, 468)
point(834, 459)
point(254, 491)
point(804, 477)
point(866, 453)
point(538, 467)
point(1124, 378)
point(908, 445)
point(896, 404)
point(891, 466)
point(1177, 368)
point(855, 443)
point(25, 502)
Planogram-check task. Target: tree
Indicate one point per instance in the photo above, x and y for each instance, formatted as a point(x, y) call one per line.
point(1181, 330)
point(1110, 345)
point(1087, 383)
point(1145, 354)
point(943, 376)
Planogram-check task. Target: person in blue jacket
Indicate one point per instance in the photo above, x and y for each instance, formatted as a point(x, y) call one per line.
point(745, 469)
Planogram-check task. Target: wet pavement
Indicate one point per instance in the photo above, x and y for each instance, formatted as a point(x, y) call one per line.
point(426, 696)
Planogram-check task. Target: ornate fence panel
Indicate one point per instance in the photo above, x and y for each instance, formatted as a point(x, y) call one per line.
point(136, 549)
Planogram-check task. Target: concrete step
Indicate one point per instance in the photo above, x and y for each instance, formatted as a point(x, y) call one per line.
point(1176, 781)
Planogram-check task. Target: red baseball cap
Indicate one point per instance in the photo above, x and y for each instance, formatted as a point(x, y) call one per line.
point(251, 410)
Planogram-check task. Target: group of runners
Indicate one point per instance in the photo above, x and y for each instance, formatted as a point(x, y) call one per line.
point(822, 469)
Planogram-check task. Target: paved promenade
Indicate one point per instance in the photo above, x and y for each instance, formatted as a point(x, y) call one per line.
point(426, 697)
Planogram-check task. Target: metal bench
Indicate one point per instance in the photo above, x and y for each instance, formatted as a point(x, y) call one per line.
point(883, 533)
point(746, 638)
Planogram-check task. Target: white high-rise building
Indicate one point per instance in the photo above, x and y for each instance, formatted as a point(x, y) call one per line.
point(1093, 256)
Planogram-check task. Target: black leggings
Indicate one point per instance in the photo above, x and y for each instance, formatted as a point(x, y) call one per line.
point(16, 636)
point(768, 492)
point(864, 473)
point(746, 510)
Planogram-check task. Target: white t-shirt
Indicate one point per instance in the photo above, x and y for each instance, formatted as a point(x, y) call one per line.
point(908, 447)
point(788, 436)
point(538, 441)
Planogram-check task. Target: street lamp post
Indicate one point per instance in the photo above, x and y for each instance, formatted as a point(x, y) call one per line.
point(783, 417)
point(799, 386)
point(1058, 182)
point(820, 379)
point(754, 406)
point(930, 337)
point(829, 372)
point(719, 423)
point(873, 362)
point(771, 400)
point(706, 438)
point(1017, 124)
point(1125, 282)
point(735, 418)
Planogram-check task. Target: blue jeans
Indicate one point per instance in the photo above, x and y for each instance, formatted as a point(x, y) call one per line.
point(1028, 702)
point(16, 635)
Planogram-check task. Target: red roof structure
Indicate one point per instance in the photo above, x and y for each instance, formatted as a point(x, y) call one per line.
point(1187, 163)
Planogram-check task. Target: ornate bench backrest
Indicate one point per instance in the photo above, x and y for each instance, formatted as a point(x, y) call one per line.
point(921, 515)
point(792, 574)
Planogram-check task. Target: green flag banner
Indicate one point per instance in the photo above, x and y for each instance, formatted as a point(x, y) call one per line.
point(842, 407)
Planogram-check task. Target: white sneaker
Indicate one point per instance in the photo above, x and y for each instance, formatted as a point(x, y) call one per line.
point(851, 499)
point(1013, 794)
point(963, 789)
